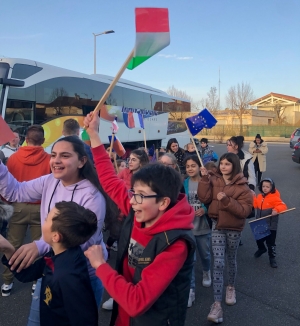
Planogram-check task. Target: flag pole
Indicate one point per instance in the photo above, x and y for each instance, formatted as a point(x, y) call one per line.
point(113, 84)
point(288, 210)
point(145, 139)
point(111, 144)
point(192, 138)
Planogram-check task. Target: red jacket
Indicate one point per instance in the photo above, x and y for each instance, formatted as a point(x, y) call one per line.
point(126, 175)
point(136, 299)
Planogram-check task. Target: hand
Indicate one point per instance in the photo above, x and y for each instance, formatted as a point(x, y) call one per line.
point(91, 123)
point(221, 195)
point(203, 171)
point(6, 247)
point(25, 255)
point(199, 212)
point(274, 212)
point(95, 256)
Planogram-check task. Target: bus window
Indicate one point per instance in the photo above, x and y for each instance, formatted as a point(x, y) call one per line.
point(21, 71)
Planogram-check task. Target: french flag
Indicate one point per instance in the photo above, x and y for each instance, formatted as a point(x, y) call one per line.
point(133, 120)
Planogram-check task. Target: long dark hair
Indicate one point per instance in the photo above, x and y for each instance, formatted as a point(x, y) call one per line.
point(172, 141)
point(237, 140)
point(141, 155)
point(234, 160)
point(88, 172)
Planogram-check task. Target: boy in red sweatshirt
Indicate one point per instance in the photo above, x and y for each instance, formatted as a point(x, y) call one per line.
point(151, 283)
point(267, 203)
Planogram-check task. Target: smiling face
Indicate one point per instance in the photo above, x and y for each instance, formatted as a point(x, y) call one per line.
point(192, 168)
point(65, 163)
point(134, 163)
point(151, 209)
point(266, 187)
point(174, 147)
point(226, 168)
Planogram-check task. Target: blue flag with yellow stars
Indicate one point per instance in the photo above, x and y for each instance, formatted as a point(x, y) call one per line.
point(204, 119)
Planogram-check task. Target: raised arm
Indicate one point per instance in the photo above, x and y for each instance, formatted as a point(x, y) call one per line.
point(112, 185)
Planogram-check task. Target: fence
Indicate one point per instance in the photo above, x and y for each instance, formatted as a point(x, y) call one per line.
point(249, 131)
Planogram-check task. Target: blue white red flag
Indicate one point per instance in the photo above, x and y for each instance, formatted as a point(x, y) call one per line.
point(133, 120)
point(115, 126)
point(203, 119)
point(117, 146)
point(260, 229)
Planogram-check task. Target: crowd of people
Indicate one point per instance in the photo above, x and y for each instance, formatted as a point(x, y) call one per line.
point(158, 214)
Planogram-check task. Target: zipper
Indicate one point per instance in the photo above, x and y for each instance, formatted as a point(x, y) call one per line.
point(261, 207)
point(168, 321)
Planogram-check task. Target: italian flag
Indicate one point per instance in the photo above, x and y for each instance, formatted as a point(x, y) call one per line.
point(152, 34)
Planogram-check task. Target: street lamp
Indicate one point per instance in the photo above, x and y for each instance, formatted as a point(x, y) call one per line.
point(95, 35)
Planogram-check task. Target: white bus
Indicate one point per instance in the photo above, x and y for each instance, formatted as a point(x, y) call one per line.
point(36, 93)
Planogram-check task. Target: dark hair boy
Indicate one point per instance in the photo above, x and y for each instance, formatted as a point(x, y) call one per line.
point(66, 294)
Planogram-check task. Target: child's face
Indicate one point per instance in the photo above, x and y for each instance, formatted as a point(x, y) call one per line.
point(46, 227)
point(147, 210)
point(191, 148)
point(225, 167)
point(192, 168)
point(122, 166)
point(134, 163)
point(266, 187)
point(203, 144)
point(65, 164)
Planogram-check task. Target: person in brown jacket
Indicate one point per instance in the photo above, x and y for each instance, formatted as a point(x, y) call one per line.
point(28, 163)
point(231, 201)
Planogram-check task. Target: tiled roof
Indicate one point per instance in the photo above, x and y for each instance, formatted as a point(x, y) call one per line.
point(282, 96)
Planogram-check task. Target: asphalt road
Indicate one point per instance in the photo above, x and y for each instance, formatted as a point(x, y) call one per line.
point(265, 296)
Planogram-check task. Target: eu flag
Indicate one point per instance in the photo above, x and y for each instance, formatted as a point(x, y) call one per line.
point(203, 119)
point(260, 229)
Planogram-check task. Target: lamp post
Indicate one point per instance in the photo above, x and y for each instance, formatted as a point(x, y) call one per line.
point(95, 35)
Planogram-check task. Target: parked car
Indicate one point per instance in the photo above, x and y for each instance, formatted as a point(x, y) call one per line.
point(294, 137)
point(296, 152)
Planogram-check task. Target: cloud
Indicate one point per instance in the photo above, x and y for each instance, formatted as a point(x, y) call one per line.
point(184, 58)
point(21, 37)
point(167, 55)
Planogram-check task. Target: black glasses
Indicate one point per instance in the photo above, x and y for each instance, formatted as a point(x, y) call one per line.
point(138, 197)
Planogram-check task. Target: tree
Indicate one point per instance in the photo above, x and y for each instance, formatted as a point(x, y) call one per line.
point(57, 97)
point(279, 110)
point(238, 99)
point(212, 101)
point(173, 91)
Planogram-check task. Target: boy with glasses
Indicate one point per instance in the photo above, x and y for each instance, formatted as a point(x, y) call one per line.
point(151, 282)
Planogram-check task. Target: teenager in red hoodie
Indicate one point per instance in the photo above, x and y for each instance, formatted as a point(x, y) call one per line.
point(155, 254)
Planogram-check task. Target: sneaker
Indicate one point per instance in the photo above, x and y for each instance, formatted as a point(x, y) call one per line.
point(216, 313)
point(33, 288)
point(108, 305)
point(273, 262)
point(191, 298)
point(259, 252)
point(114, 247)
point(206, 280)
point(6, 289)
point(230, 296)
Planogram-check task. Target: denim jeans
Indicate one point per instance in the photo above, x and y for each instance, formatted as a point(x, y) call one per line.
point(203, 246)
point(34, 314)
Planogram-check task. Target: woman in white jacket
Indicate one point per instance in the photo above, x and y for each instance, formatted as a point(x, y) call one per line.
point(235, 145)
point(258, 149)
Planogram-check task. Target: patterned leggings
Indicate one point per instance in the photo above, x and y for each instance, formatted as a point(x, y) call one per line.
point(224, 241)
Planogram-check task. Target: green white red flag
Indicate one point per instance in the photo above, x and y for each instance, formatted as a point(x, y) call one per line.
point(152, 34)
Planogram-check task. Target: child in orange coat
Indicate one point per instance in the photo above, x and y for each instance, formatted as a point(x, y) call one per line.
point(267, 203)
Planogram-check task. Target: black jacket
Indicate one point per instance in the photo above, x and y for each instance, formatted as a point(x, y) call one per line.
point(67, 298)
point(170, 308)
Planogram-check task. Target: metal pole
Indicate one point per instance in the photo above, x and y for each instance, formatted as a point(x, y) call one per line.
point(94, 54)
